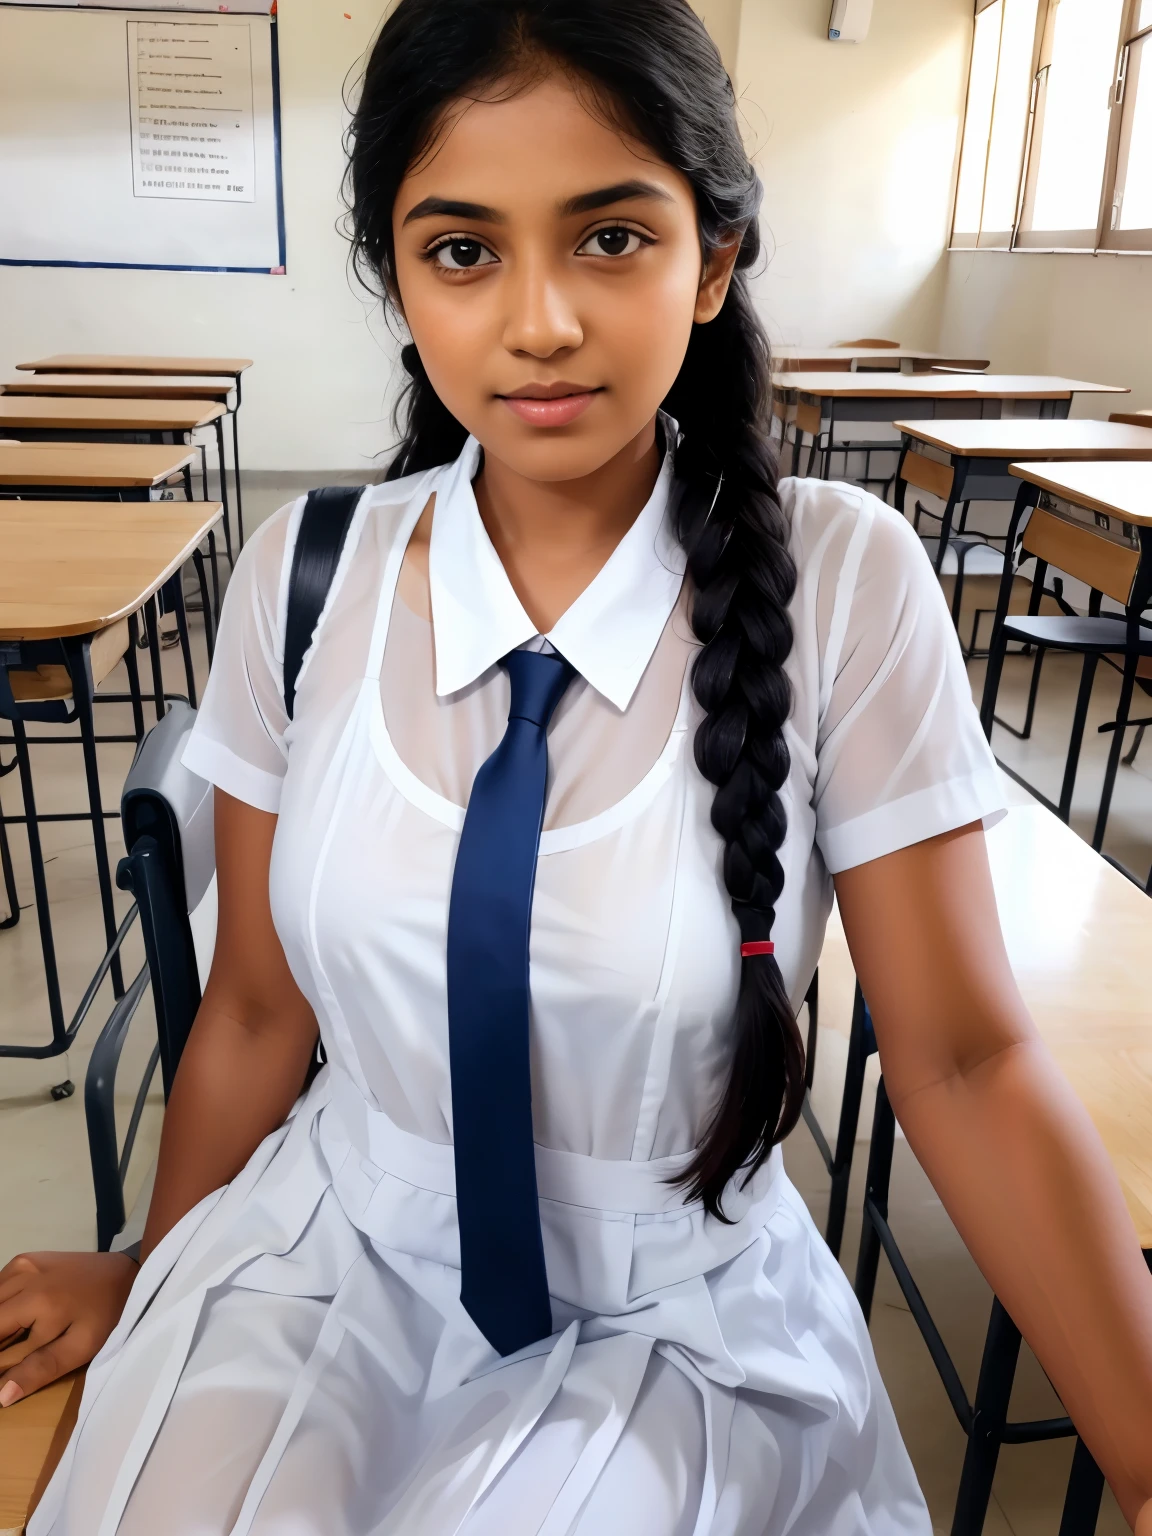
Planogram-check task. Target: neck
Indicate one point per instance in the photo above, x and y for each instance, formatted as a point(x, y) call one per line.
point(554, 536)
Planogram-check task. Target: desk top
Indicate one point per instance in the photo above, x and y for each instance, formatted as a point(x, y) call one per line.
point(101, 362)
point(112, 464)
point(1118, 490)
point(125, 386)
point(102, 415)
point(840, 358)
point(1133, 418)
point(940, 386)
point(1015, 437)
point(1079, 935)
point(72, 567)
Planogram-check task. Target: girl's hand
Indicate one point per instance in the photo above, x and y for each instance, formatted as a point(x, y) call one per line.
point(56, 1310)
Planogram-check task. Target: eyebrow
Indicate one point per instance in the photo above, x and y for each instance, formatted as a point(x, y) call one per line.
point(586, 202)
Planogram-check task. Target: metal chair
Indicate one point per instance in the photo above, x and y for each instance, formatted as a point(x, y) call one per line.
point(984, 1421)
point(1111, 564)
point(170, 868)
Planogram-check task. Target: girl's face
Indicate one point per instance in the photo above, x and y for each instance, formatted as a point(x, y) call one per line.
point(549, 270)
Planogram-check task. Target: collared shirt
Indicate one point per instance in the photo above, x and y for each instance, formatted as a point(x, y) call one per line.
point(608, 634)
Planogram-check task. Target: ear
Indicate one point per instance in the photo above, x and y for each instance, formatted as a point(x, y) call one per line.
point(715, 279)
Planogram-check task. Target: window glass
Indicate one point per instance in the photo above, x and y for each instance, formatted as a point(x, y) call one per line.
point(978, 120)
point(1143, 15)
point(1009, 114)
point(1077, 110)
point(1133, 204)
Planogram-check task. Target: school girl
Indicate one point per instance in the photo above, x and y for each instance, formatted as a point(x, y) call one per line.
point(596, 716)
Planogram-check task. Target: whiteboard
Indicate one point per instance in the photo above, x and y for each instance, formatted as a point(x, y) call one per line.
point(140, 138)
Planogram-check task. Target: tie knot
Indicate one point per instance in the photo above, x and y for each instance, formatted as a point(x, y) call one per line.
point(538, 680)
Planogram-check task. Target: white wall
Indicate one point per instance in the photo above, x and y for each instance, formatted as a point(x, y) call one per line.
point(315, 398)
point(856, 144)
point(1086, 317)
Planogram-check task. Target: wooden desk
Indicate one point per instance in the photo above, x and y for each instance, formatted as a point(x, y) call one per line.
point(131, 470)
point(70, 414)
point(99, 362)
point(128, 386)
point(962, 461)
point(848, 359)
point(32, 1440)
point(1133, 418)
point(1123, 491)
point(193, 367)
point(822, 399)
point(74, 567)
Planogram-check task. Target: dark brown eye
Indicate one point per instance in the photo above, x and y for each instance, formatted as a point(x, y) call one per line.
point(458, 255)
point(611, 242)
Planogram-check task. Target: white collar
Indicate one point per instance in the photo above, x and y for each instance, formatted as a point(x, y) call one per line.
point(609, 632)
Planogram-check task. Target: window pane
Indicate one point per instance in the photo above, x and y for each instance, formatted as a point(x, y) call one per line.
point(1077, 109)
point(978, 120)
point(1144, 15)
point(1010, 114)
point(1134, 182)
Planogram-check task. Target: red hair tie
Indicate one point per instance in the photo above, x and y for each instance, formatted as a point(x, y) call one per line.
point(757, 947)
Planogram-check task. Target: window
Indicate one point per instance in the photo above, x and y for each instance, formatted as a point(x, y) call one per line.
point(1057, 145)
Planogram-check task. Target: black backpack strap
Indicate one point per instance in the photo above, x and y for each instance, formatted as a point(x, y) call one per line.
point(323, 529)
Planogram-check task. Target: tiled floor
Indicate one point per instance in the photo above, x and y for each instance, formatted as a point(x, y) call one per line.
point(45, 1188)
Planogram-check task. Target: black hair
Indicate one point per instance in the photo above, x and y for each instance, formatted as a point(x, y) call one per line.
point(653, 69)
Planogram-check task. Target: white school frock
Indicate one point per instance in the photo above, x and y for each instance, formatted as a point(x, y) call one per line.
point(294, 1359)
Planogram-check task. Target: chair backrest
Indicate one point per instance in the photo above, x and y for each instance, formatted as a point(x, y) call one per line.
point(867, 341)
point(1100, 557)
point(170, 867)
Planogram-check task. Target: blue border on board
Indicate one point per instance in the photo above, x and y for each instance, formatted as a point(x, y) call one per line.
point(152, 266)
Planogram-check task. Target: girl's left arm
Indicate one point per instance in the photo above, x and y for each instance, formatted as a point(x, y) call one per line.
point(1008, 1146)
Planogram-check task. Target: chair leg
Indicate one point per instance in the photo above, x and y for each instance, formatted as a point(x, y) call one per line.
point(152, 627)
point(205, 605)
point(1123, 710)
point(877, 1183)
point(1085, 1490)
point(1033, 690)
point(989, 1415)
point(812, 1003)
point(11, 895)
point(1130, 756)
point(860, 1047)
point(1071, 762)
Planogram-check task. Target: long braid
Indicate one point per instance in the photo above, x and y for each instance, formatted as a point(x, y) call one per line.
point(659, 77)
point(744, 577)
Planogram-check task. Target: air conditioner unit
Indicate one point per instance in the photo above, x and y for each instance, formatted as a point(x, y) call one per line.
point(849, 20)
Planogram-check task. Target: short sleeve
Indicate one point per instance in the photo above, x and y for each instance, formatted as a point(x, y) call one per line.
point(901, 756)
point(237, 742)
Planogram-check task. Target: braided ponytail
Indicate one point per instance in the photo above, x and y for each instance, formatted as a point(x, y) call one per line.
point(736, 536)
point(659, 77)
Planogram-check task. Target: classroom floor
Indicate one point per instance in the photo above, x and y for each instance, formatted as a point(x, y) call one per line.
point(46, 1195)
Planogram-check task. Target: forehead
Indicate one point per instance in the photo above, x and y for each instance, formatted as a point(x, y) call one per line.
point(541, 143)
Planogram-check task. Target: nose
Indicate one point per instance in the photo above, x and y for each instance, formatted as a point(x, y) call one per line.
point(541, 318)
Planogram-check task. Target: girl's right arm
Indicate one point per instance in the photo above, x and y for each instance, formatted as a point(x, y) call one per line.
point(254, 1035)
point(242, 1069)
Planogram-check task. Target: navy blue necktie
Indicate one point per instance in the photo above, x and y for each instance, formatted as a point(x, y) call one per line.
point(504, 1285)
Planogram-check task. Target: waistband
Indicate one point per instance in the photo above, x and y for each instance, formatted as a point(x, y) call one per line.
point(570, 1178)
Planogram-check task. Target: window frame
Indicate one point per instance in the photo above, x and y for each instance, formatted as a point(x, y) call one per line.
point(1104, 239)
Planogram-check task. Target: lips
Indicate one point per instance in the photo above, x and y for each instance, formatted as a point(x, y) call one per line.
point(553, 405)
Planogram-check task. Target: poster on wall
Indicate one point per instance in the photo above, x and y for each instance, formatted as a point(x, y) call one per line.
point(134, 137)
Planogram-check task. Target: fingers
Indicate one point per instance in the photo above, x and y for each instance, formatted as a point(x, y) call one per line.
point(47, 1364)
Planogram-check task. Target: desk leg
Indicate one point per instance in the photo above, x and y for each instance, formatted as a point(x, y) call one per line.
point(989, 1415)
point(1025, 500)
point(152, 627)
point(236, 465)
point(39, 884)
point(1137, 602)
point(876, 1186)
point(1085, 1490)
point(80, 668)
point(133, 669)
point(223, 487)
point(959, 475)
